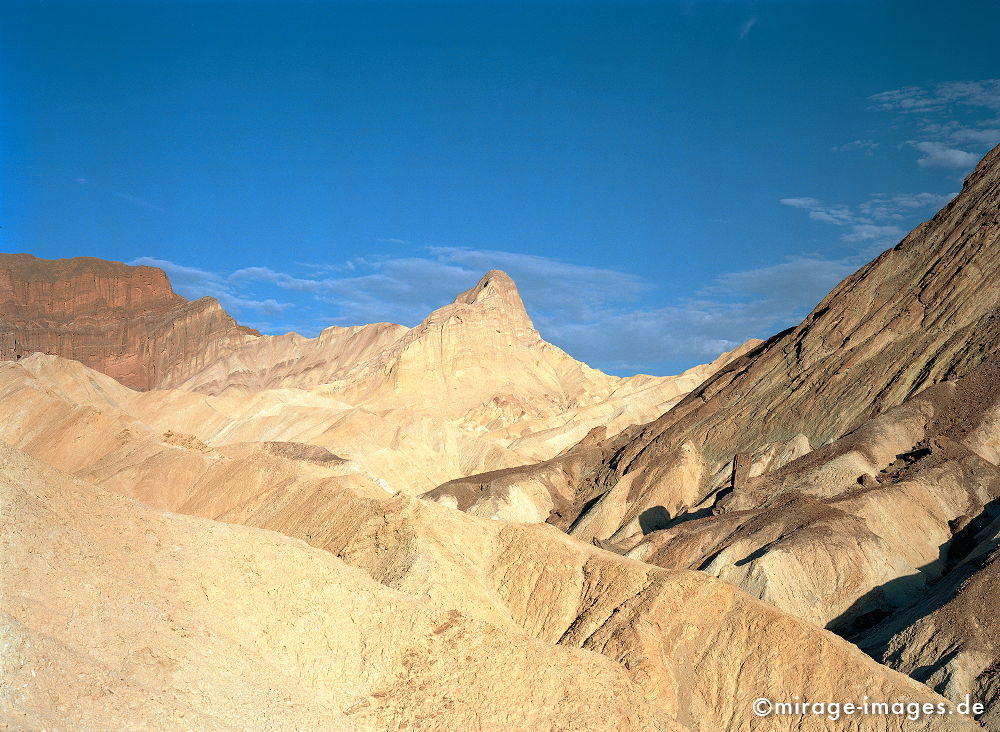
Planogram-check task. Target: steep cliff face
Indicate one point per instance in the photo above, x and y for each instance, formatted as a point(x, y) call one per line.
point(924, 311)
point(124, 321)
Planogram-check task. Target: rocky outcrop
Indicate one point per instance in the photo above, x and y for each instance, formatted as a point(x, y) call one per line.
point(291, 360)
point(473, 387)
point(481, 349)
point(124, 321)
point(859, 528)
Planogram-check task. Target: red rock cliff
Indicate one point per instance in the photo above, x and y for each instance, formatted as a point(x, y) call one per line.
point(124, 321)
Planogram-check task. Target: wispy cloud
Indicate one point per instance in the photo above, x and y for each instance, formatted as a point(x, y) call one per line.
point(733, 307)
point(873, 221)
point(895, 207)
point(916, 99)
point(873, 232)
point(194, 283)
point(747, 26)
point(952, 123)
point(127, 197)
point(591, 312)
point(404, 289)
point(939, 155)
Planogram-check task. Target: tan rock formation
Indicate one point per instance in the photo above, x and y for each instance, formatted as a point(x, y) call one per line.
point(472, 388)
point(949, 638)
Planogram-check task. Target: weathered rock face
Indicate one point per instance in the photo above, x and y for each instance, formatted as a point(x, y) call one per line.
point(124, 321)
point(290, 360)
point(924, 311)
point(859, 528)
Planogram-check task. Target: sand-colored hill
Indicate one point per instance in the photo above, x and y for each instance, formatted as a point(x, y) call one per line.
point(116, 614)
point(45, 399)
point(679, 634)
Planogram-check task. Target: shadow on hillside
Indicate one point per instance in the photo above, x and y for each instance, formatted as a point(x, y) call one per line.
point(654, 519)
point(888, 609)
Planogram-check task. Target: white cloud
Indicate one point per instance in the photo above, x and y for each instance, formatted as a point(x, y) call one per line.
point(793, 283)
point(747, 26)
point(871, 232)
point(588, 311)
point(893, 207)
point(735, 306)
point(937, 154)
point(279, 279)
point(800, 202)
point(818, 212)
point(552, 284)
point(954, 123)
point(908, 100)
point(405, 289)
point(915, 99)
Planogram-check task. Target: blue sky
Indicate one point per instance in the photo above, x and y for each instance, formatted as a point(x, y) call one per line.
point(662, 180)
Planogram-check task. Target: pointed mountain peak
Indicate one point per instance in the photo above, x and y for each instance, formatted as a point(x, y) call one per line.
point(496, 288)
point(494, 301)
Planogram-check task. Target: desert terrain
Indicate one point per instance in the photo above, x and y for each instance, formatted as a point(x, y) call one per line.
point(458, 526)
